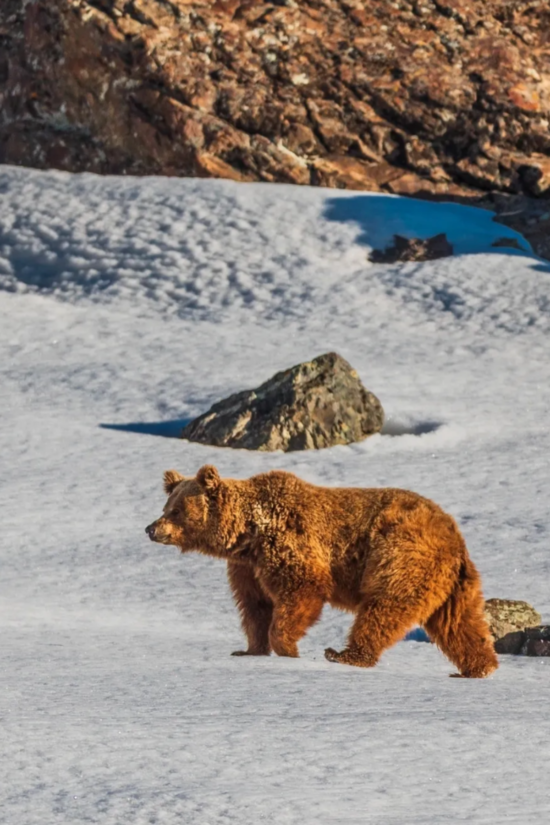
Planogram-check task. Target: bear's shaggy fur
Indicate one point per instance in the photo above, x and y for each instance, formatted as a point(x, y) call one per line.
point(390, 556)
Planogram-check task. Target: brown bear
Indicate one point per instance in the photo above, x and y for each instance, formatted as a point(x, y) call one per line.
point(390, 556)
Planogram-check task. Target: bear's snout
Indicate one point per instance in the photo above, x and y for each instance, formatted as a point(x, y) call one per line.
point(150, 530)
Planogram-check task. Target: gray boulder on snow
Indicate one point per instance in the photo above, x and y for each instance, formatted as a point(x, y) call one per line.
point(508, 616)
point(316, 404)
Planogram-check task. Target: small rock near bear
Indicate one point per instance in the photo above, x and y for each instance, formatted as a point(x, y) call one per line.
point(390, 556)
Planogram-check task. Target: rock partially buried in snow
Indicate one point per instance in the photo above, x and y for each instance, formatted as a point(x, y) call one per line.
point(316, 404)
point(506, 616)
point(413, 249)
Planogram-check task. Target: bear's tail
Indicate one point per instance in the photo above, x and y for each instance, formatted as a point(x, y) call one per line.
point(459, 627)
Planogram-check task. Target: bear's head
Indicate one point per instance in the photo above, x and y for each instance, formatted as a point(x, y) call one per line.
point(202, 513)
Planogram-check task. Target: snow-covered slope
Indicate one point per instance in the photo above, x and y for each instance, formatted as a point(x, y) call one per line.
point(129, 306)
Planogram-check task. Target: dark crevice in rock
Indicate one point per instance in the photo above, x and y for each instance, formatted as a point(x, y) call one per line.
point(138, 15)
point(151, 117)
point(105, 6)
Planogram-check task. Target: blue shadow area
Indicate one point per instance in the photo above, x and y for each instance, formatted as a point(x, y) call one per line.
point(172, 429)
point(469, 229)
point(417, 634)
point(166, 429)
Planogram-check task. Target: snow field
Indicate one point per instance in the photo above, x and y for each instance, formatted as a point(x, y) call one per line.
point(133, 303)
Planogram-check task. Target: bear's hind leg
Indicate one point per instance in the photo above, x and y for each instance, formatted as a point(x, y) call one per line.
point(292, 617)
point(378, 625)
point(466, 647)
point(460, 630)
point(255, 607)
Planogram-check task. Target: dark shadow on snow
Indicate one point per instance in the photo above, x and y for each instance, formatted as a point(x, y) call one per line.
point(166, 429)
point(394, 428)
point(173, 428)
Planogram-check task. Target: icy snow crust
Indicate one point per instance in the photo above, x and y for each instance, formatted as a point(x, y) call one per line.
point(137, 303)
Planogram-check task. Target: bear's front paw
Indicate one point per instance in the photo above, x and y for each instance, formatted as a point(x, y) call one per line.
point(250, 653)
point(349, 657)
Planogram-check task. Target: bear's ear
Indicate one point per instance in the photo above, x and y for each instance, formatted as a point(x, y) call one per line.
point(171, 480)
point(209, 479)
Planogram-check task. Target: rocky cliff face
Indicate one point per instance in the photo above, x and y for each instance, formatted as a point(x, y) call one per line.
point(446, 97)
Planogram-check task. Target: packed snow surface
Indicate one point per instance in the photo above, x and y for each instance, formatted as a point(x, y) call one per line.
point(129, 306)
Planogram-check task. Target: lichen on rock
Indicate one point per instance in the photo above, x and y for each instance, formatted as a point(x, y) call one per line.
point(507, 616)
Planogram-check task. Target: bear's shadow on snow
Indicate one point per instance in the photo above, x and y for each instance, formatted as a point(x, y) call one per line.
point(470, 230)
point(166, 429)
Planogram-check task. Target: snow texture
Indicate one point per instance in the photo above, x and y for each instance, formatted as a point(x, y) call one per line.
point(129, 306)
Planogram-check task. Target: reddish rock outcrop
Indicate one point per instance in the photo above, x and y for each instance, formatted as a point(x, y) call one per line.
point(420, 97)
